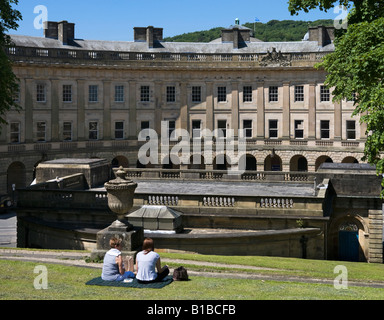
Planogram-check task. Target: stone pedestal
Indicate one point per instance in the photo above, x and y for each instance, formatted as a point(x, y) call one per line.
point(132, 240)
point(120, 192)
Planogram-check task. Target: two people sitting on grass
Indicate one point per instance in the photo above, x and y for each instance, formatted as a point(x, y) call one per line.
point(147, 262)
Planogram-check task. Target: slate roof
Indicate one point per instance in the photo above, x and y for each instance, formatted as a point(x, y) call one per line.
point(214, 47)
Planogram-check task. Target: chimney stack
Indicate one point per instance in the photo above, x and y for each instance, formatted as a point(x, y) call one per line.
point(323, 35)
point(149, 34)
point(62, 31)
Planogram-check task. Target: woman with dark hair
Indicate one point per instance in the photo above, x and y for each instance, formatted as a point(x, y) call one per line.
point(147, 262)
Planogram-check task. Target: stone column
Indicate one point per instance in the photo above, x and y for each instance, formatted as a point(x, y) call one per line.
point(337, 121)
point(363, 127)
point(375, 236)
point(286, 111)
point(30, 89)
point(81, 132)
point(209, 106)
point(312, 112)
point(158, 106)
point(183, 122)
point(260, 111)
point(235, 108)
point(107, 110)
point(55, 96)
point(132, 133)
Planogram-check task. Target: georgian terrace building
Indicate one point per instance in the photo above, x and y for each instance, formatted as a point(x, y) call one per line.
point(90, 99)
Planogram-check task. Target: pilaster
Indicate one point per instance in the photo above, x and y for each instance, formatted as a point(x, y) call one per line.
point(312, 112)
point(286, 111)
point(55, 96)
point(260, 111)
point(29, 96)
point(107, 110)
point(132, 133)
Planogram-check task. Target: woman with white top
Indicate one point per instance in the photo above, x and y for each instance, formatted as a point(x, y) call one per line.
point(147, 262)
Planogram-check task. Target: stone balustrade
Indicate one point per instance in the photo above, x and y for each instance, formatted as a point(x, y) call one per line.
point(81, 56)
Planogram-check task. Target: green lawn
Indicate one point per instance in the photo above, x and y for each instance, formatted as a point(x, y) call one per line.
point(68, 283)
point(321, 269)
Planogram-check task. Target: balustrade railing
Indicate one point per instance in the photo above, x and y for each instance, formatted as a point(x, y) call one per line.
point(73, 54)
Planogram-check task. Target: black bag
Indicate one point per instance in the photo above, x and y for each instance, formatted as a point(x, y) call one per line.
point(180, 274)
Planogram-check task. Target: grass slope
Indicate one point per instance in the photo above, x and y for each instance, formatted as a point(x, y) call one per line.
point(68, 283)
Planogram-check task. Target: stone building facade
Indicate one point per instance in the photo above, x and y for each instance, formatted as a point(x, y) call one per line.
point(91, 99)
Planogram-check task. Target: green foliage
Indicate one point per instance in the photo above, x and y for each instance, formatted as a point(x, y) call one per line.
point(274, 30)
point(306, 5)
point(8, 81)
point(286, 30)
point(198, 36)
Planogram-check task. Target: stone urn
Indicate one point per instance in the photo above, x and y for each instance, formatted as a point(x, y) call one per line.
point(120, 192)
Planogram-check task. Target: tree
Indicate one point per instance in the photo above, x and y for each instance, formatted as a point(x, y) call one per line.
point(356, 67)
point(8, 81)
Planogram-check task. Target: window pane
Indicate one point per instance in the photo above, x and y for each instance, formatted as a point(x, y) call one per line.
point(144, 93)
point(324, 93)
point(67, 93)
point(93, 93)
point(40, 93)
point(273, 94)
point(247, 94)
point(119, 93)
point(196, 94)
point(273, 130)
point(247, 127)
point(15, 132)
point(299, 129)
point(351, 129)
point(93, 130)
point(299, 93)
point(40, 126)
point(171, 94)
point(196, 127)
point(119, 130)
point(221, 94)
point(324, 129)
point(67, 131)
point(222, 126)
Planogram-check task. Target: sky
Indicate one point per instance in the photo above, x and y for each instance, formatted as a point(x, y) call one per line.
point(114, 20)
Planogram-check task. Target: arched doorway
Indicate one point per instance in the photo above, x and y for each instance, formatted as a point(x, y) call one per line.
point(171, 162)
point(321, 160)
point(16, 175)
point(349, 242)
point(196, 162)
point(349, 160)
point(298, 163)
point(220, 162)
point(143, 163)
point(250, 162)
point(272, 163)
point(120, 161)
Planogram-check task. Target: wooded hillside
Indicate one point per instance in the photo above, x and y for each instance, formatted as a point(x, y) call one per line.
point(274, 30)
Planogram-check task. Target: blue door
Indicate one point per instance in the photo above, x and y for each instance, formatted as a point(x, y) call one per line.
point(349, 245)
